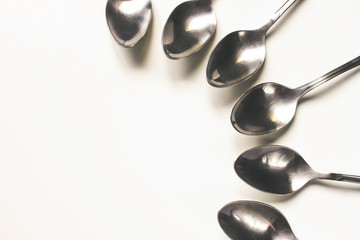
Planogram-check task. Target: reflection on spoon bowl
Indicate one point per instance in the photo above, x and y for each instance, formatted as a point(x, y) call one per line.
point(245, 220)
point(128, 20)
point(263, 109)
point(238, 54)
point(189, 27)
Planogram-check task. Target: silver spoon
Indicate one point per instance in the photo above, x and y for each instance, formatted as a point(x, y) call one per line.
point(245, 220)
point(240, 54)
point(268, 107)
point(189, 27)
point(128, 20)
point(280, 170)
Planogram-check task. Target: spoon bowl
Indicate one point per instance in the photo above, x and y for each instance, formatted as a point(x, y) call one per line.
point(239, 55)
point(243, 220)
point(280, 170)
point(189, 27)
point(268, 107)
point(128, 20)
point(264, 109)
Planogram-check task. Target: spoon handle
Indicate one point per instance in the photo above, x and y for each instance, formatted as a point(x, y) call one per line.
point(278, 14)
point(330, 75)
point(343, 177)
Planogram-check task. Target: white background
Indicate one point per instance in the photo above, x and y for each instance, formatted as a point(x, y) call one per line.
point(101, 142)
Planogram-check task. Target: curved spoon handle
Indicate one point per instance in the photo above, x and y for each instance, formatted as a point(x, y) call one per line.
point(278, 14)
point(342, 177)
point(330, 75)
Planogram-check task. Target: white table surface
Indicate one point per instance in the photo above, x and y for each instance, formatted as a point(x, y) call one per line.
point(101, 142)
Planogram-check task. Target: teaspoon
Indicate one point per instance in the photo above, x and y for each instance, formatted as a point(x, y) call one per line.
point(240, 54)
point(128, 20)
point(245, 220)
point(278, 169)
point(189, 27)
point(270, 106)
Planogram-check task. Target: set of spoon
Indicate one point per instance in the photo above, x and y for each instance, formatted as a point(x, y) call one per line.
point(189, 27)
point(263, 109)
point(274, 169)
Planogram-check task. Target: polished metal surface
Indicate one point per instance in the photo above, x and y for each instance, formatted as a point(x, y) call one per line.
point(189, 27)
point(281, 170)
point(128, 20)
point(251, 220)
point(237, 57)
point(240, 54)
point(269, 107)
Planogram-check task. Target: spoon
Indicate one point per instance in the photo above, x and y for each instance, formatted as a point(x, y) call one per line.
point(128, 20)
point(240, 54)
point(245, 220)
point(268, 107)
point(189, 27)
point(280, 170)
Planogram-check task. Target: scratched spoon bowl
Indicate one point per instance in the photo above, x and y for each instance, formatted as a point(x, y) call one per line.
point(280, 170)
point(243, 220)
point(189, 27)
point(128, 20)
point(268, 107)
point(239, 55)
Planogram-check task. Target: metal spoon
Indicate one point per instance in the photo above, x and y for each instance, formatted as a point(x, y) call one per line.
point(280, 170)
point(240, 54)
point(189, 27)
point(268, 107)
point(244, 220)
point(128, 20)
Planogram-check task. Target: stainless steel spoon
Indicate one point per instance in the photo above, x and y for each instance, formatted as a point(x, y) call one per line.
point(240, 54)
point(245, 220)
point(189, 27)
point(278, 169)
point(128, 20)
point(268, 107)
